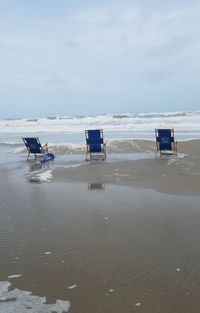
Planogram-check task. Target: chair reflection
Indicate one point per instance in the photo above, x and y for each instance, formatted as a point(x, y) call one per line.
point(96, 186)
point(35, 165)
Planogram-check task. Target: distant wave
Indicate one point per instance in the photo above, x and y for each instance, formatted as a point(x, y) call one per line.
point(32, 120)
point(110, 116)
point(114, 116)
point(157, 115)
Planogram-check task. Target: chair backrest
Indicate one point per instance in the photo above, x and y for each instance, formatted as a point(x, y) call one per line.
point(165, 139)
point(33, 145)
point(94, 139)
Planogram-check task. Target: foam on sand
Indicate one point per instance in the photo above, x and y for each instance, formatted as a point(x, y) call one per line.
point(44, 176)
point(74, 165)
point(72, 286)
point(20, 301)
point(14, 276)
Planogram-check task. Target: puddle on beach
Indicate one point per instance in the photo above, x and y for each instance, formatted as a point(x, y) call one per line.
point(85, 247)
point(97, 247)
point(38, 172)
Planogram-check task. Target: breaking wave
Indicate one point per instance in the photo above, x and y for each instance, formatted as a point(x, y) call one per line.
point(140, 124)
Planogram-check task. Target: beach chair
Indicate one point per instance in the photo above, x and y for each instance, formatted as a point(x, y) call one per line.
point(165, 143)
point(34, 146)
point(95, 146)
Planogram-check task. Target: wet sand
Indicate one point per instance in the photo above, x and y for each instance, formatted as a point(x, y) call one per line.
point(114, 236)
point(141, 168)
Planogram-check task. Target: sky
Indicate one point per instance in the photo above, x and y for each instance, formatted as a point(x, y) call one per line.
point(91, 57)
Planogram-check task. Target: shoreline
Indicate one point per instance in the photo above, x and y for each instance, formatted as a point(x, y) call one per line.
point(128, 163)
point(121, 146)
point(138, 167)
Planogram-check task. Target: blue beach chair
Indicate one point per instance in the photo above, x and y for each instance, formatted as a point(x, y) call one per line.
point(165, 143)
point(95, 144)
point(34, 146)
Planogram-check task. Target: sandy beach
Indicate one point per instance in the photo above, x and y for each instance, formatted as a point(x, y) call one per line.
point(114, 236)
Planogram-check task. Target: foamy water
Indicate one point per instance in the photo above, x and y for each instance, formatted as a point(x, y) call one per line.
point(71, 129)
point(21, 301)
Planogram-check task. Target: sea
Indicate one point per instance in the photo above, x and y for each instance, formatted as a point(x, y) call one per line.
point(71, 129)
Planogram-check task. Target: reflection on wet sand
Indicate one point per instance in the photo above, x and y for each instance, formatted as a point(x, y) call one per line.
point(35, 165)
point(96, 186)
point(38, 172)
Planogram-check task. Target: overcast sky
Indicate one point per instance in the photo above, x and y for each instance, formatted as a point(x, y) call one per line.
point(89, 57)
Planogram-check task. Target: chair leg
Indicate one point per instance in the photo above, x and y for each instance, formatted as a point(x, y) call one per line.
point(87, 154)
point(155, 154)
point(176, 148)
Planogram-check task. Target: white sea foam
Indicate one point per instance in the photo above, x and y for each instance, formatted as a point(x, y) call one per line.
point(18, 150)
point(143, 123)
point(14, 276)
point(72, 286)
point(68, 145)
point(74, 165)
point(25, 302)
point(4, 287)
point(39, 177)
point(45, 176)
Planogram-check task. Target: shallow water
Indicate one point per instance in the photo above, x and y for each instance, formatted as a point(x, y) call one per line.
point(103, 248)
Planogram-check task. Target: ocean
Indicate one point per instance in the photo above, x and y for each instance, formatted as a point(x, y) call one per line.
point(70, 129)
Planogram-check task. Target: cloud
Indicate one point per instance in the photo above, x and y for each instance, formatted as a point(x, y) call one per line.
point(99, 49)
point(71, 44)
point(173, 47)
